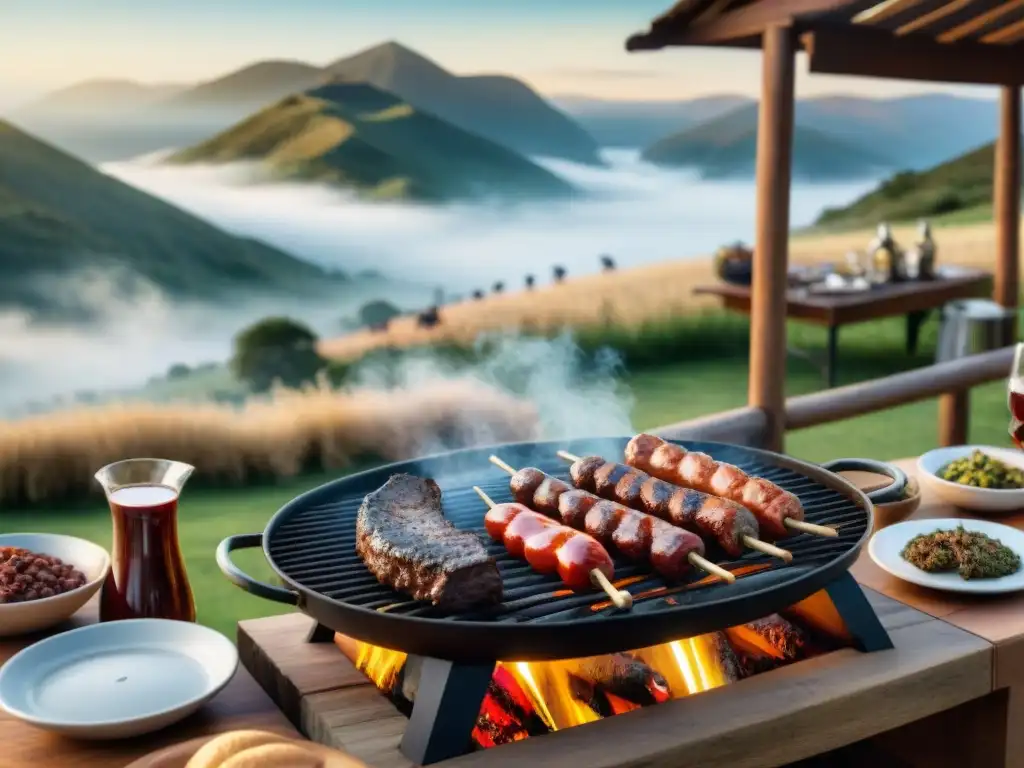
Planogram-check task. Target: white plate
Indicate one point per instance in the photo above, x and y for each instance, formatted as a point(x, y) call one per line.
point(966, 496)
point(886, 545)
point(116, 680)
point(36, 615)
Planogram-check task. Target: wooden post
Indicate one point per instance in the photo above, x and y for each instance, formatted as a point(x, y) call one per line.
point(768, 292)
point(1006, 200)
point(954, 410)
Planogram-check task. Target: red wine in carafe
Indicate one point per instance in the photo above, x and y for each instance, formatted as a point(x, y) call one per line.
point(147, 576)
point(1016, 402)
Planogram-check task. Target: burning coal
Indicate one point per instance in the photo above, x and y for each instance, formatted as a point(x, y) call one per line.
point(527, 699)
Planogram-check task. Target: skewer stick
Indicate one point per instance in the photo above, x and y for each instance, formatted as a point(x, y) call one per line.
point(619, 597)
point(568, 456)
point(500, 464)
point(769, 549)
point(695, 560)
point(813, 528)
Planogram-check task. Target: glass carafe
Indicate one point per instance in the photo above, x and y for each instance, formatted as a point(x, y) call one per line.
point(147, 577)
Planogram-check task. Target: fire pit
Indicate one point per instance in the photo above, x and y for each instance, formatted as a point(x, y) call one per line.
point(548, 659)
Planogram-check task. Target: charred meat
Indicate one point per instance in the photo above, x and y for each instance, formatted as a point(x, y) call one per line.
point(405, 541)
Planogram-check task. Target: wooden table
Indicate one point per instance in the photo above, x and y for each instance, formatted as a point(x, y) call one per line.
point(243, 704)
point(999, 620)
point(913, 299)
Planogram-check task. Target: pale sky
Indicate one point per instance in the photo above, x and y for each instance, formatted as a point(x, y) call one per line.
point(558, 46)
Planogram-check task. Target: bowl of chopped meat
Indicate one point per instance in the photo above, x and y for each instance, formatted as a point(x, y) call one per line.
point(978, 477)
point(45, 579)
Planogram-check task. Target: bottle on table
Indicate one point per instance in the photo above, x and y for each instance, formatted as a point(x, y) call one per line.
point(886, 264)
point(926, 249)
point(147, 578)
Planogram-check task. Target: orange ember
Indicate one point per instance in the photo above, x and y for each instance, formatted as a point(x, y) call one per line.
point(531, 698)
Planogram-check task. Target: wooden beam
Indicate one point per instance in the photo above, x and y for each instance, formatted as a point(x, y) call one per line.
point(973, 24)
point(1006, 198)
point(845, 51)
point(771, 249)
point(925, 20)
point(908, 387)
point(749, 20)
point(1012, 33)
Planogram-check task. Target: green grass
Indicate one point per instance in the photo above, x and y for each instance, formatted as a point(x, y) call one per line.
point(707, 372)
point(957, 192)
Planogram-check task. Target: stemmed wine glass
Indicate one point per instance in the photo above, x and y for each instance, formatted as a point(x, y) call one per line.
point(1015, 397)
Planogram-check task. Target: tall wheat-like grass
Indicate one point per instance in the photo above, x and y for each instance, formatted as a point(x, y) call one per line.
point(53, 457)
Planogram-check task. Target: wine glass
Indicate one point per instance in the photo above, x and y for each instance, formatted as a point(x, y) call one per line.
point(1015, 397)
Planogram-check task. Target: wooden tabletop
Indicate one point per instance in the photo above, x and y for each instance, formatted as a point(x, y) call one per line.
point(883, 301)
point(997, 619)
point(243, 704)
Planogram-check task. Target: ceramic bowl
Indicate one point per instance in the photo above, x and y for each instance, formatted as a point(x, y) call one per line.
point(965, 496)
point(37, 615)
point(897, 511)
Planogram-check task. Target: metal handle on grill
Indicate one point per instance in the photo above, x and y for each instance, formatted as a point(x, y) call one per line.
point(240, 578)
point(892, 492)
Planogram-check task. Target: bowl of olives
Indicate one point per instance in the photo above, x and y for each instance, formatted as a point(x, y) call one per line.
point(982, 478)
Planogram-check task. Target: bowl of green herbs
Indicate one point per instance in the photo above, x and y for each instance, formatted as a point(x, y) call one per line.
point(983, 478)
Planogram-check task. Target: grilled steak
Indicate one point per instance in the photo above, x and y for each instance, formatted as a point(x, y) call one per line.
point(405, 541)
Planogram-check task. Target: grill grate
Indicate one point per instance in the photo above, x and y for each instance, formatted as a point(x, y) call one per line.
point(313, 545)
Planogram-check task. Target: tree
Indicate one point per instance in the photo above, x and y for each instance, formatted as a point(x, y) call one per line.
point(276, 348)
point(530, 280)
point(559, 273)
point(499, 287)
point(377, 314)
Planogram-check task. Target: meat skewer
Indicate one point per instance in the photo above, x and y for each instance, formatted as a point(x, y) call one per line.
point(671, 551)
point(779, 512)
point(550, 547)
point(725, 522)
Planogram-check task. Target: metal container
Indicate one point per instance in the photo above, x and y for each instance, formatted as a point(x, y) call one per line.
point(972, 326)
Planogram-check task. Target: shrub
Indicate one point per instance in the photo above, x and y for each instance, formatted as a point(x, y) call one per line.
point(276, 349)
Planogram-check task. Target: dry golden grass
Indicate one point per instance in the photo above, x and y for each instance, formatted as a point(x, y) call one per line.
point(632, 296)
point(53, 457)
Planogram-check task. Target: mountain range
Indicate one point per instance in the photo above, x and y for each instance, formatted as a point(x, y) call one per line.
point(726, 147)
point(365, 139)
point(916, 132)
point(500, 108)
point(60, 216)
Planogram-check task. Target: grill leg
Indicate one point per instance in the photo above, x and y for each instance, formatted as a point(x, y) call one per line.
point(318, 633)
point(858, 615)
point(448, 701)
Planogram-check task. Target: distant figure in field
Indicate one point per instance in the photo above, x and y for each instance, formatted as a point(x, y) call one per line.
point(607, 263)
point(530, 280)
point(498, 287)
point(559, 274)
point(428, 318)
point(478, 294)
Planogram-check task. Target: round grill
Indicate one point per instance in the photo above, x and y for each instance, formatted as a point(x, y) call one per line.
point(310, 543)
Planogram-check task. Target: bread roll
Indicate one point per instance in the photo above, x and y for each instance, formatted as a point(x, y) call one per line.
point(214, 753)
point(275, 756)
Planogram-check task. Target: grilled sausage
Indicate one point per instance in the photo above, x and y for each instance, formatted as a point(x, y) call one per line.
point(719, 520)
point(548, 546)
point(770, 504)
point(637, 535)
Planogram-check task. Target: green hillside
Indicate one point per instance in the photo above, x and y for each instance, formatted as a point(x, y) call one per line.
point(58, 215)
point(726, 147)
point(362, 138)
point(960, 187)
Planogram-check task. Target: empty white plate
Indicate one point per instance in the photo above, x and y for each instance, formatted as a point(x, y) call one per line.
point(886, 545)
point(116, 680)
